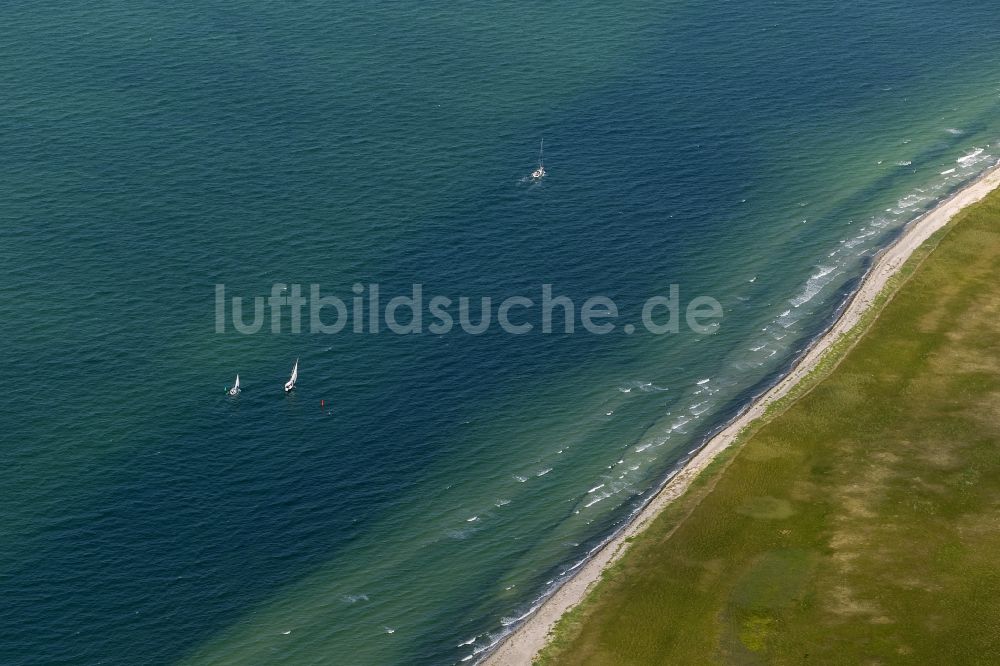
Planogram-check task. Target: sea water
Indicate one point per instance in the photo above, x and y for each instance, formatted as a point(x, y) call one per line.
point(758, 153)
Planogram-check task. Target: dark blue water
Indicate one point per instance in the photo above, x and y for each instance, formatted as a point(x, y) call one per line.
point(757, 153)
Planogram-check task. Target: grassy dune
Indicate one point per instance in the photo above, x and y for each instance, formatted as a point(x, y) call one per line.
point(861, 522)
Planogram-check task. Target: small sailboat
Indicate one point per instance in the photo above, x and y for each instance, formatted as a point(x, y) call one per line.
point(290, 384)
point(539, 173)
point(236, 387)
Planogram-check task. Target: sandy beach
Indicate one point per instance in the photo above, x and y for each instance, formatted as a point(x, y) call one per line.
point(524, 643)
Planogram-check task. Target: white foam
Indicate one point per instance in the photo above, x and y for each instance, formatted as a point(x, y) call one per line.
point(521, 479)
point(496, 640)
point(645, 387)
point(909, 202)
point(501, 502)
point(595, 488)
point(544, 471)
point(701, 407)
point(460, 535)
point(822, 277)
point(786, 319)
point(507, 621)
point(354, 598)
point(965, 160)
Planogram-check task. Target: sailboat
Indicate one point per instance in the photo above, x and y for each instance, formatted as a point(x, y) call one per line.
point(290, 384)
point(236, 387)
point(539, 173)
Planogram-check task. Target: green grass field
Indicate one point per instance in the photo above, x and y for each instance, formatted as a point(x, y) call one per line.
point(861, 523)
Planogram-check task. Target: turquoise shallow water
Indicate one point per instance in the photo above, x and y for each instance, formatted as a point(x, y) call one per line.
point(755, 152)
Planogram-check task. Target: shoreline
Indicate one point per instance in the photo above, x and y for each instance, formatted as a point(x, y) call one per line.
point(523, 643)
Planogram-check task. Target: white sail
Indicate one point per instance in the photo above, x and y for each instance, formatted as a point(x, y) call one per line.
point(236, 386)
point(539, 173)
point(290, 384)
